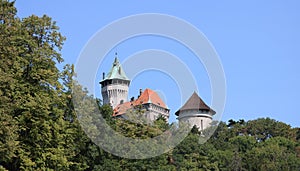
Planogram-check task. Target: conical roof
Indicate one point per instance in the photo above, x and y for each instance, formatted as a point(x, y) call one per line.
point(194, 103)
point(116, 71)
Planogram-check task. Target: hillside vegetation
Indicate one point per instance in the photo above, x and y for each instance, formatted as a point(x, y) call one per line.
point(39, 129)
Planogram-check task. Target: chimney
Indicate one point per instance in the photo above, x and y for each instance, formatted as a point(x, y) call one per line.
point(103, 75)
point(131, 99)
point(141, 91)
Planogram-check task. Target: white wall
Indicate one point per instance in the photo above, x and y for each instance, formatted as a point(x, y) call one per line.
point(113, 94)
point(201, 119)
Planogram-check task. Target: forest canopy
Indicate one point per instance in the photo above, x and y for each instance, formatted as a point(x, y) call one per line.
point(39, 129)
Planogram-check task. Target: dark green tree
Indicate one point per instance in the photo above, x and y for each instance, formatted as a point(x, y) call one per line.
point(35, 131)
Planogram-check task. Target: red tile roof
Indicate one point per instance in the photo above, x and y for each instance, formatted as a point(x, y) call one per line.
point(150, 96)
point(147, 96)
point(122, 108)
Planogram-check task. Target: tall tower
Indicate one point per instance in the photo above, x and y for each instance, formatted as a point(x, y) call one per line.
point(196, 112)
point(114, 86)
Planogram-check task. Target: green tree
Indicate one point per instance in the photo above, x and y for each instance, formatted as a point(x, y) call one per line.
point(8, 124)
point(35, 134)
point(40, 130)
point(264, 128)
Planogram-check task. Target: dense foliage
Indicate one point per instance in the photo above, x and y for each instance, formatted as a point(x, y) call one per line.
point(40, 131)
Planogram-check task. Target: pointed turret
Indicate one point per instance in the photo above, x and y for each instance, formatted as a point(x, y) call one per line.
point(196, 112)
point(114, 86)
point(195, 103)
point(116, 71)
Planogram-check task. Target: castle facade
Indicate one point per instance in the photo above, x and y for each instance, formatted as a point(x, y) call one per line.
point(114, 90)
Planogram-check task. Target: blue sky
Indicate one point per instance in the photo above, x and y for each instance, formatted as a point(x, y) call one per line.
point(258, 44)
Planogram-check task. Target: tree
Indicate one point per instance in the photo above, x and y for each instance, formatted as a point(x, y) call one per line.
point(8, 127)
point(40, 130)
point(35, 134)
point(264, 128)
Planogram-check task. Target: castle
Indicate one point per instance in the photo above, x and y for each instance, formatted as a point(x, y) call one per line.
point(114, 90)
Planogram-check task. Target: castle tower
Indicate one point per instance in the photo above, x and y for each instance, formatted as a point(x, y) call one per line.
point(114, 86)
point(195, 112)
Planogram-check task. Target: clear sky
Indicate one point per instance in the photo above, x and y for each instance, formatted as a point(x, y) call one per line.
point(258, 43)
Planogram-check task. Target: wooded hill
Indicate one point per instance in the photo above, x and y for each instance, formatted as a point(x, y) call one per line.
point(39, 129)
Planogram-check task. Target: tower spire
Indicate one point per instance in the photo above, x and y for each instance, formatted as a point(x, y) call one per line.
point(114, 86)
point(116, 62)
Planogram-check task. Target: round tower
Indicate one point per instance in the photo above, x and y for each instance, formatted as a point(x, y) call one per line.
point(195, 112)
point(114, 86)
